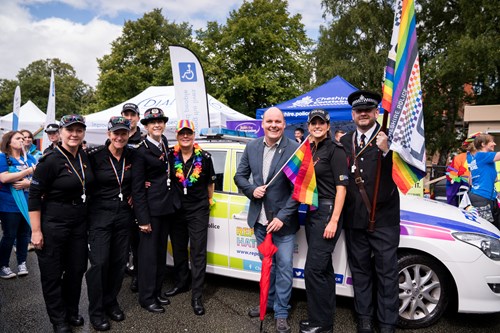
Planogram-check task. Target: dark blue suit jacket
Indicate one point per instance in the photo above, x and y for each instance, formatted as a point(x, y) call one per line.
point(278, 199)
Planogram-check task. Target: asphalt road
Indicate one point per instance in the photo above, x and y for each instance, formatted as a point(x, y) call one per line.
point(227, 301)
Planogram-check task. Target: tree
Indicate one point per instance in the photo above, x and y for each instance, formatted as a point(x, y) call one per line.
point(459, 44)
point(355, 45)
point(72, 95)
point(140, 58)
point(258, 58)
point(7, 89)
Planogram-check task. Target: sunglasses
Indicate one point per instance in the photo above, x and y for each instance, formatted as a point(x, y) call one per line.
point(71, 119)
point(119, 121)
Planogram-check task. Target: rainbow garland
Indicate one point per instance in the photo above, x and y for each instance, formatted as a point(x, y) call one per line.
point(179, 166)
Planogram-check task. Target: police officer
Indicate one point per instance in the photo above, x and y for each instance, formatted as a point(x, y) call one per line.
point(153, 207)
point(52, 131)
point(323, 225)
point(58, 212)
point(363, 146)
point(195, 180)
point(110, 221)
point(131, 112)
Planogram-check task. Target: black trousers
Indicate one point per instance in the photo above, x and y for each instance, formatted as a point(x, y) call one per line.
point(383, 243)
point(63, 258)
point(318, 271)
point(109, 230)
point(191, 225)
point(152, 259)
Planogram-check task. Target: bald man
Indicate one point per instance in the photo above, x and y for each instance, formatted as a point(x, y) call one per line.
point(272, 209)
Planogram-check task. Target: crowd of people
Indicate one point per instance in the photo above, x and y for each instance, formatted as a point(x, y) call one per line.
point(129, 195)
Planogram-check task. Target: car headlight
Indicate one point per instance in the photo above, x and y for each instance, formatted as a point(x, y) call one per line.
point(489, 245)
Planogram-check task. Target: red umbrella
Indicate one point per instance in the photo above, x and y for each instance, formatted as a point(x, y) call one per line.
point(267, 249)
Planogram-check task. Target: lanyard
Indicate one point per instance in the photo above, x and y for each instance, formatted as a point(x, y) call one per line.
point(118, 179)
point(165, 153)
point(81, 179)
point(186, 177)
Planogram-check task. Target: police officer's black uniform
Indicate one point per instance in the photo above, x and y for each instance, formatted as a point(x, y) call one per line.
point(58, 193)
point(191, 224)
point(330, 166)
point(152, 205)
point(383, 242)
point(110, 221)
point(133, 143)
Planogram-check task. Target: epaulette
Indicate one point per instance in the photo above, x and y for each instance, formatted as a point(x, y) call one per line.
point(337, 143)
point(44, 156)
point(95, 150)
point(206, 154)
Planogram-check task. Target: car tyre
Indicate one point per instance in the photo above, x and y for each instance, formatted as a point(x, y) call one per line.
point(424, 290)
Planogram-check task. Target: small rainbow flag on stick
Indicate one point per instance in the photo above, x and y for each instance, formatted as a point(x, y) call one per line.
point(300, 170)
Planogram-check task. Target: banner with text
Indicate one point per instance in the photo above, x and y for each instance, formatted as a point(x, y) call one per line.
point(189, 84)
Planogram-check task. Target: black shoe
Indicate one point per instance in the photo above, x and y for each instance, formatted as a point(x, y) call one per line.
point(365, 325)
point(134, 286)
point(75, 320)
point(317, 329)
point(175, 290)
point(154, 308)
point(163, 300)
point(198, 307)
point(116, 314)
point(62, 328)
point(255, 312)
point(102, 325)
point(303, 324)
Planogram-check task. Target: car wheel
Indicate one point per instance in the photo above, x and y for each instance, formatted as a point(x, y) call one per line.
point(423, 290)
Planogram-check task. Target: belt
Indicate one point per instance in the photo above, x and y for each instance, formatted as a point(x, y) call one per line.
point(326, 201)
point(74, 202)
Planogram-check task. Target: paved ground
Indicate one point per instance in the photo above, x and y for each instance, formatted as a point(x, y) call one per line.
point(227, 300)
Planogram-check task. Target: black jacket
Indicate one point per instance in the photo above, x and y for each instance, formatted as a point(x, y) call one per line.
point(150, 165)
point(355, 213)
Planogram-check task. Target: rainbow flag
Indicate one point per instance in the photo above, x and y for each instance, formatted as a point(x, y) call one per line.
point(402, 97)
point(300, 170)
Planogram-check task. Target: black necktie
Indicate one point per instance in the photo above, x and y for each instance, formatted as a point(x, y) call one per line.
point(362, 141)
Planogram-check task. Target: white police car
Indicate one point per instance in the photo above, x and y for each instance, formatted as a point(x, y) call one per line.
point(446, 255)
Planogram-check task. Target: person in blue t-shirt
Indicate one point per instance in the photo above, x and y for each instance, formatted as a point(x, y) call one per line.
point(483, 176)
point(15, 172)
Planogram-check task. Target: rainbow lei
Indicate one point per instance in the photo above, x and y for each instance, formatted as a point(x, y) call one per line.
point(179, 170)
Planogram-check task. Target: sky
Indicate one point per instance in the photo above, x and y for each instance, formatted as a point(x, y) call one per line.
point(80, 31)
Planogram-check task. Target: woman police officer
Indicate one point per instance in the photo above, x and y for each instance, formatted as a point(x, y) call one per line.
point(58, 214)
point(110, 221)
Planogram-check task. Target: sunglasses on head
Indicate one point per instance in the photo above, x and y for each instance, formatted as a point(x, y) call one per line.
point(119, 120)
point(72, 118)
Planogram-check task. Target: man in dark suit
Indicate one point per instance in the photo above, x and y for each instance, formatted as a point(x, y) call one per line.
point(153, 206)
point(362, 147)
point(272, 209)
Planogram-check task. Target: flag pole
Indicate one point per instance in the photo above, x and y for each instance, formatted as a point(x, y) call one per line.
point(371, 221)
point(291, 156)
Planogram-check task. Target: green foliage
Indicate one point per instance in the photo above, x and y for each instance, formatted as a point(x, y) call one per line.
point(34, 80)
point(140, 58)
point(258, 58)
point(355, 45)
point(459, 43)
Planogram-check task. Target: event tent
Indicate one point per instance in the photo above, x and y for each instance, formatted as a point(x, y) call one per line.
point(30, 118)
point(164, 98)
point(331, 96)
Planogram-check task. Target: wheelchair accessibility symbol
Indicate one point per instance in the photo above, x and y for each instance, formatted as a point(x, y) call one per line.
point(187, 71)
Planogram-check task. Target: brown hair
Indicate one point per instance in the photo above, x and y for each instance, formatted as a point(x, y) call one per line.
point(6, 139)
point(26, 131)
point(481, 139)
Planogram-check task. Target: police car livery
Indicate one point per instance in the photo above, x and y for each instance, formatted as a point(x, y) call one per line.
point(446, 255)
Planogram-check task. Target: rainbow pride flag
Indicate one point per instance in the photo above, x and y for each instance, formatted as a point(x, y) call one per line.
point(402, 97)
point(300, 170)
